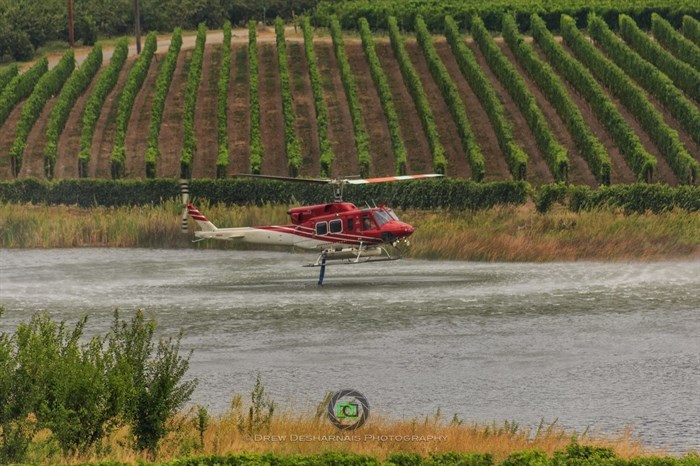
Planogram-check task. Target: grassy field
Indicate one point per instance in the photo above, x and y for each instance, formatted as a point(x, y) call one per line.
point(497, 234)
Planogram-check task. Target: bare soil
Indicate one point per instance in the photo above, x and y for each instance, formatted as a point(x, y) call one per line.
point(8, 131)
point(69, 140)
point(496, 166)
point(579, 171)
point(206, 118)
point(457, 164)
point(103, 138)
point(306, 128)
point(170, 138)
point(238, 116)
point(340, 129)
point(271, 114)
point(418, 151)
point(33, 159)
point(136, 140)
point(381, 152)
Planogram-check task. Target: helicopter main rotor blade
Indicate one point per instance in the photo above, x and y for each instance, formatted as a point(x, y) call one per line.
point(389, 179)
point(285, 178)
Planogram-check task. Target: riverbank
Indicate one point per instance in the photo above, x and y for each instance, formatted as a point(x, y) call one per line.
point(502, 233)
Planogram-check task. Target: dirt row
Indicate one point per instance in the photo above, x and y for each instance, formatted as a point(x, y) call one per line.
point(341, 133)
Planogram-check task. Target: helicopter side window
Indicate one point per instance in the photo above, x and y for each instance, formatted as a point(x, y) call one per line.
point(321, 228)
point(366, 223)
point(351, 224)
point(336, 226)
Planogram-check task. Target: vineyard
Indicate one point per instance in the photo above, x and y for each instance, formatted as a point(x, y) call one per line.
point(609, 99)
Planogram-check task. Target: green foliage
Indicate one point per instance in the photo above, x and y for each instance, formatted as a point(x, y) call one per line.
point(319, 104)
point(7, 74)
point(647, 75)
point(260, 411)
point(350, 86)
point(20, 86)
point(80, 390)
point(681, 47)
point(48, 85)
point(256, 147)
point(640, 161)
point(636, 101)
point(377, 12)
point(552, 86)
point(555, 154)
point(517, 159)
point(415, 87)
point(527, 458)
point(682, 74)
point(691, 30)
point(79, 80)
point(450, 94)
point(222, 158)
point(292, 145)
point(134, 81)
point(165, 77)
point(461, 459)
point(385, 97)
point(104, 85)
point(194, 76)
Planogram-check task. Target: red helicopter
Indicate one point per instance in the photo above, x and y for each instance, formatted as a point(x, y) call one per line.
point(340, 231)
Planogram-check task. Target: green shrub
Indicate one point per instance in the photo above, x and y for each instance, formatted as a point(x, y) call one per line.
point(194, 76)
point(20, 86)
point(292, 145)
point(93, 107)
point(681, 47)
point(527, 458)
point(691, 30)
point(256, 147)
point(7, 74)
point(222, 159)
point(165, 77)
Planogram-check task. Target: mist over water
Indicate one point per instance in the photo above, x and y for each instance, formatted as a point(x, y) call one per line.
point(599, 345)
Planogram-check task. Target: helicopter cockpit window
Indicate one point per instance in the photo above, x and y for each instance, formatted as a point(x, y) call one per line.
point(336, 226)
point(381, 217)
point(321, 228)
point(391, 213)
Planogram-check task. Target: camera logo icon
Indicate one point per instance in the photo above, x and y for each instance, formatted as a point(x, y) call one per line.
point(348, 409)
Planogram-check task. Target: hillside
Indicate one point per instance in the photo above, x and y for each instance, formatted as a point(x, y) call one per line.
point(341, 127)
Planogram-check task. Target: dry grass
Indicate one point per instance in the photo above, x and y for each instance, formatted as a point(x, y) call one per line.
point(291, 434)
point(498, 234)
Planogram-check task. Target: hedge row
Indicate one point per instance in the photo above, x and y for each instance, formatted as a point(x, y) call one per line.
point(292, 144)
point(105, 83)
point(256, 147)
point(632, 198)
point(134, 81)
point(48, 85)
point(20, 86)
point(450, 94)
point(385, 97)
point(640, 161)
point(222, 159)
point(551, 85)
point(415, 87)
point(7, 74)
point(377, 12)
point(165, 77)
point(194, 76)
point(74, 87)
point(675, 42)
point(418, 194)
point(691, 30)
point(632, 97)
point(648, 76)
point(517, 159)
point(320, 108)
point(556, 155)
point(350, 86)
point(682, 74)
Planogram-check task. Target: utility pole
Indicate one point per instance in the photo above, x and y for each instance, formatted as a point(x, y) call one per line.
point(137, 25)
point(71, 36)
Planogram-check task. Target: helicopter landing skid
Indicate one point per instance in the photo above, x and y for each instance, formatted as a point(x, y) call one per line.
point(350, 256)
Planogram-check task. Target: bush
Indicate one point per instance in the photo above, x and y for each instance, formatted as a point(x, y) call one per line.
point(222, 159)
point(256, 147)
point(681, 47)
point(292, 145)
point(20, 86)
point(16, 44)
point(7, 74)
point(194, 76)
point(691, 29)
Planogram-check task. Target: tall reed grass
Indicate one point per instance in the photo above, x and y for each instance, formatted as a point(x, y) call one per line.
point(503, 233)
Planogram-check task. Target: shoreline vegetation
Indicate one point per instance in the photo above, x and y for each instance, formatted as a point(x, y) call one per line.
point(501, 233)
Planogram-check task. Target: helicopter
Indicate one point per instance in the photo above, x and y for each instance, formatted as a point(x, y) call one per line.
point(339, 231)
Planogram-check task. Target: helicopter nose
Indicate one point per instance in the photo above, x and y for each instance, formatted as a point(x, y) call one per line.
point(403, 229)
